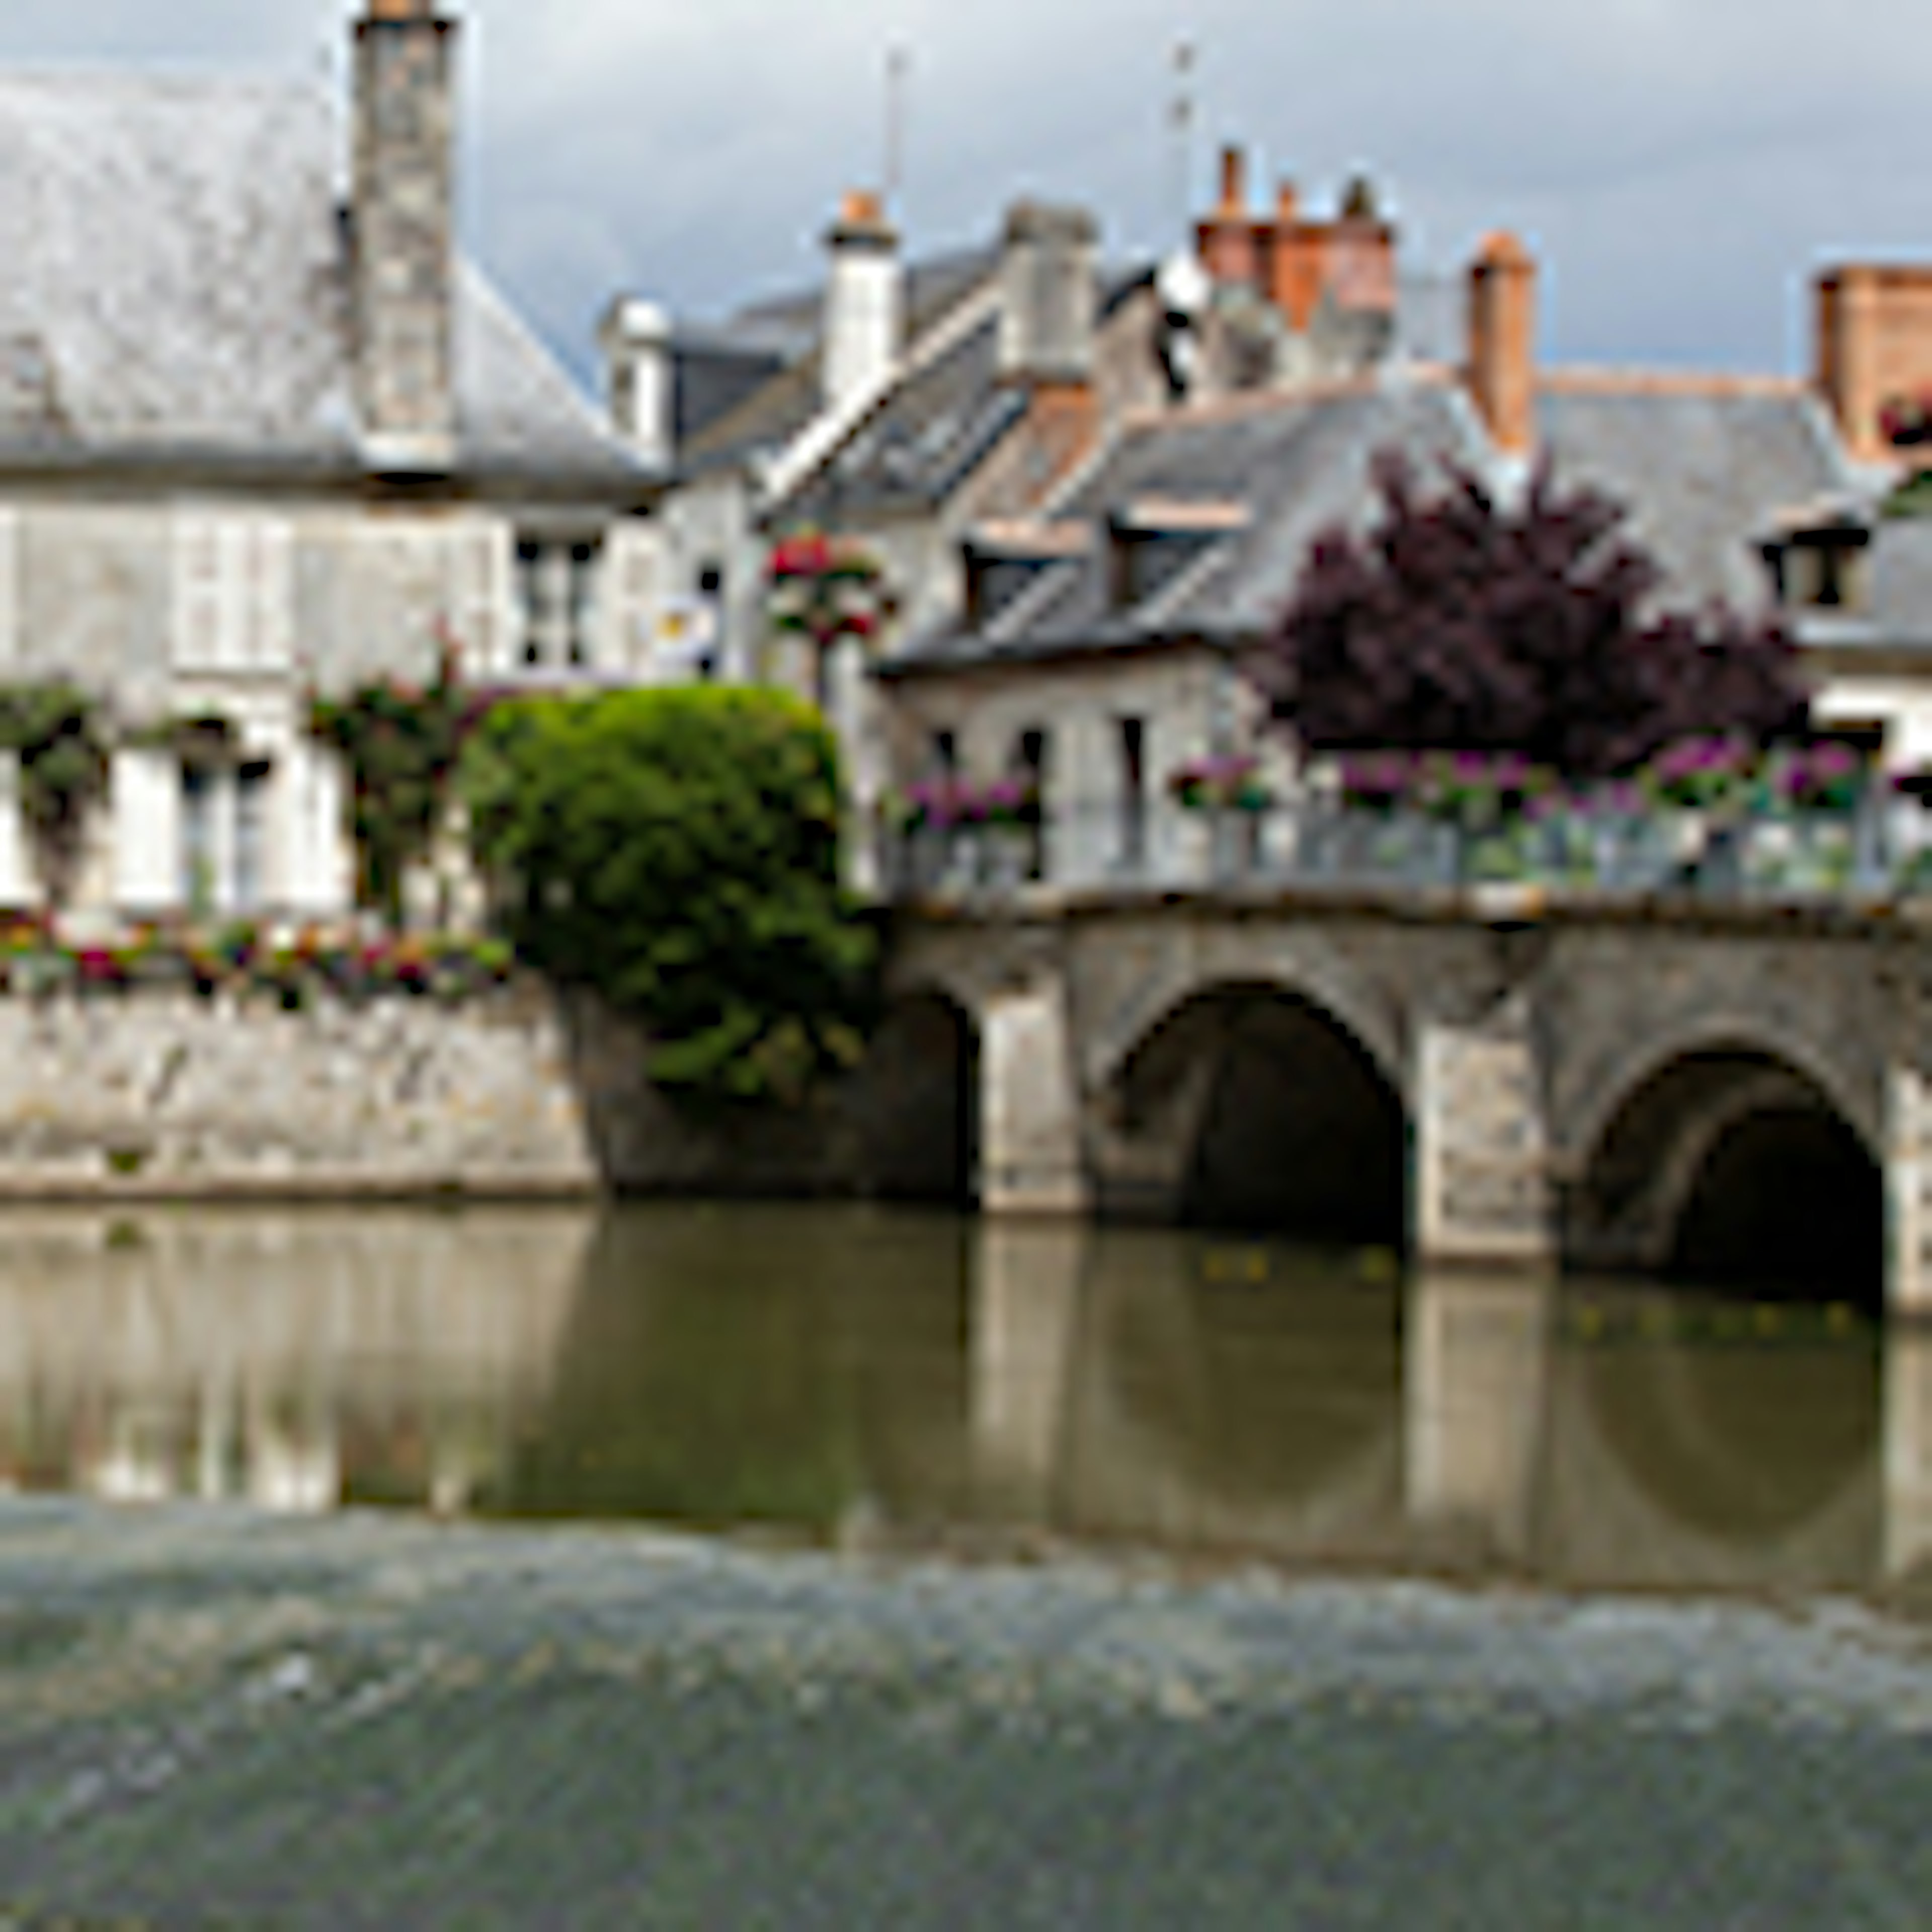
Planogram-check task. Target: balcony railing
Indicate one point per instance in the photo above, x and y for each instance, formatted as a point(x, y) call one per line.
point(1876, 852)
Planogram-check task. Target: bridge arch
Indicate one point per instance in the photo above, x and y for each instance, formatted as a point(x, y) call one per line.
point(1726, 1158)
point(920, 1108)
point(1249, 1103)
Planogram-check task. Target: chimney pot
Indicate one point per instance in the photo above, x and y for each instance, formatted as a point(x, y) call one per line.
point(1234, 180)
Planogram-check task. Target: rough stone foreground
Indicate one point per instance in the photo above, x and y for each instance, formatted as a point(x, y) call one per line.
point(207, 1718)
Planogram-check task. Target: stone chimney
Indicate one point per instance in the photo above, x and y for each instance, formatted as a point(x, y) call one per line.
point(1048, 299)
point(639, 378)
point(865, 302)
point(1501, 373)
point(1874, 347)
point(404, 265)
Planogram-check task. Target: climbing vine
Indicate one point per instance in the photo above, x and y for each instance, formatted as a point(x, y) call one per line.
point(400, 741)
point(54, 730)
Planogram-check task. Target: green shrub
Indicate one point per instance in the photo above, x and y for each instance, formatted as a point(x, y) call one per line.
point(676, 852)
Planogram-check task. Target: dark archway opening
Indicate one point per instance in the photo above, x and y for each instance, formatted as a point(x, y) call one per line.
point(1730, 1169)
point(1788, 1200)
point(921, 1105)
point(1299, 1132)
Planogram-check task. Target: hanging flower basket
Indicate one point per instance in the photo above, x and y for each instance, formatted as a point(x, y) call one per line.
point(1226, 783)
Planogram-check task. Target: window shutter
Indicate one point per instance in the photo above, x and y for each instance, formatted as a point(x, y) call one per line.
point(481, 595)
point(197, 593)
point(270, 641)
point(631, 579)
point(9, 586)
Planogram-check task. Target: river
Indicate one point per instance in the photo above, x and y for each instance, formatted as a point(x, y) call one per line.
point(801, 1566)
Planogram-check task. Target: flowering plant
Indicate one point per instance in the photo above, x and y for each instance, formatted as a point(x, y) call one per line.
point(1906, 420)
point(1817, 778)
point(1701, 773)
point(826, 588)
point(1221, 783)
point(942, 803)
point(1468, 788)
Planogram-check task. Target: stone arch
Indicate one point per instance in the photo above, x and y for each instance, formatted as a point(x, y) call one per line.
point(1315, 977)
point(1724, 1156)
point(1249, 1104)
point(919, 1109)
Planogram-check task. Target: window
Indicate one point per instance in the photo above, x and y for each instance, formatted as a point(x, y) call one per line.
point(946, 754)
point(556, 595)
point(1133, 794)
point(1819, 567)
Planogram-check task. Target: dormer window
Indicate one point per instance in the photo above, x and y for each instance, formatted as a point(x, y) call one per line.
point(1151, 542)
point(1818, 564)
point(1002, 560)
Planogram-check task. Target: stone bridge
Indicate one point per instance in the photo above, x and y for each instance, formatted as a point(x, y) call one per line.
point(1477, 1077)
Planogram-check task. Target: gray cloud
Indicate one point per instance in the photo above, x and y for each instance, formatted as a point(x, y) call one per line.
point(1680, 165)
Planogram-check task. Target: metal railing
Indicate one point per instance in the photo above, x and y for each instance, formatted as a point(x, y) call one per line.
point(1880, 851)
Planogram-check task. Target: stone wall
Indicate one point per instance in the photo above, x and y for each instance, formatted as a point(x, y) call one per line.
point(161, 1093)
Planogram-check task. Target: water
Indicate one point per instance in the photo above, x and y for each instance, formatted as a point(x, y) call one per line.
point(825, 1567)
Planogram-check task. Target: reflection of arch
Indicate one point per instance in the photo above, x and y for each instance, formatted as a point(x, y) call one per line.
point(921, 1107)
point(1721, 1159)
point(1749, 1446)
point(1273, 1112)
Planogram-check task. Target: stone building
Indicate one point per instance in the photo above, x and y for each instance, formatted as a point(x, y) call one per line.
point(1095, 642)
point(260, 436)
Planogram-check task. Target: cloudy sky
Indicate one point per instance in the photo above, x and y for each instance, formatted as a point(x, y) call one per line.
point(1680, 165)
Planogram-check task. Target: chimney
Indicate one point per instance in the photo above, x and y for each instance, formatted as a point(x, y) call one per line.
point(403, 271)
point(865, 303)
point(635, 338)
point(1874, 348)
point(1502, 342)
point(1296, 261)
point(1048, 297)
point(1233, 246)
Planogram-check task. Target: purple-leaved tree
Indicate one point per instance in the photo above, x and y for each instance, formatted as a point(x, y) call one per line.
point(1454, 623)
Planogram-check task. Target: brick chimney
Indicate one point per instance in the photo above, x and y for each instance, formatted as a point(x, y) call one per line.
point(1874, 347)
point(1048, 297)
point(1233, 246)
point(403, 268)
point(636, 339)
point(865, 302)
point(1501, 373)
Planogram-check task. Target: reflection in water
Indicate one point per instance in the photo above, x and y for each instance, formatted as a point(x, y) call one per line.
point(854, 1375)
point(300, 1361)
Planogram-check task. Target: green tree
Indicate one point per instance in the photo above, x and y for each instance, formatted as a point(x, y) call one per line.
point(676, 853)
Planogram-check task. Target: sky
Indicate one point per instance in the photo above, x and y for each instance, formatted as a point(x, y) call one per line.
point(1681, 167)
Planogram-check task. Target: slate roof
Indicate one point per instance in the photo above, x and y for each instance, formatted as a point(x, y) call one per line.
point(175, 280)
point(790, 325)
point(1705, 470)
point(1703, 467)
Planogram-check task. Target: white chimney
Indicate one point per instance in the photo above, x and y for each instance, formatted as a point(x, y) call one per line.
point(865, 303)
point(635, 338)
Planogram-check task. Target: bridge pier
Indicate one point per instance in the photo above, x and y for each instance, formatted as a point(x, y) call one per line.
point(1031, 1160)
point(1480, 1176)
point(1908, 1183)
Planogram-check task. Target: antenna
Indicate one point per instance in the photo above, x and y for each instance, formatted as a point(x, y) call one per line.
point(1180, 126)
point(899, 81)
